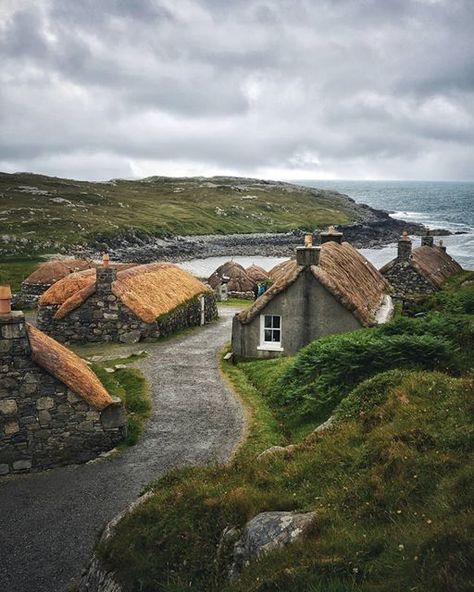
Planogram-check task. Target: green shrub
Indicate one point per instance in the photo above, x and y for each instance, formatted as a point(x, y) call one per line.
point(325, 371)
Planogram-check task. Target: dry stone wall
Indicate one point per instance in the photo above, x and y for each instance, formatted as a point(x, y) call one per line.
point(44, 424)
point(104, 318)
point(29, 295)
point(406, 280)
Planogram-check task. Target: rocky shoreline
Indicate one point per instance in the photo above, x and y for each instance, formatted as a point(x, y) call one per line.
point(379, 229)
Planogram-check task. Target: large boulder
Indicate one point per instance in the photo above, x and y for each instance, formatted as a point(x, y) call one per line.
point(265, 532)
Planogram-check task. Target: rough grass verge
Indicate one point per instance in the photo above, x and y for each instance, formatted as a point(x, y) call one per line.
point(130, 386)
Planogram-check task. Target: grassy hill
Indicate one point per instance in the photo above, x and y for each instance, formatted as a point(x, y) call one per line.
point(391, 482)
point(40, 214)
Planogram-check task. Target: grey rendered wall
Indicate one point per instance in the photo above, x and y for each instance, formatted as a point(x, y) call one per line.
point(308, 312)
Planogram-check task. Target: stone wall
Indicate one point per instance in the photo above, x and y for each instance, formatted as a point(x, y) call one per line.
point(43, 424)
point(29, 295)
point(104, 318)
point(406, 280)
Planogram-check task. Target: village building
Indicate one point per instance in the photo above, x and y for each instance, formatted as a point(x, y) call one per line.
point(257, 273)
point(46, 275)
point(53, 408)
point(421, 270)
point(328, 289)
point(233, 275)
point(49, 273)
point(143, 302)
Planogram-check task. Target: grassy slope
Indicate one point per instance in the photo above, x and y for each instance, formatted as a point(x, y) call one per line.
point(130, 385)
point(391, 485)
point(43, 214)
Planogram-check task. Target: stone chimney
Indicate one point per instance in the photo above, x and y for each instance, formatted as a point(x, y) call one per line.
point(404, 247)
point(427, 240)
point(105, 277)
point(442, 246)
point(13, 337)
point(307, 256)
point(331, 234)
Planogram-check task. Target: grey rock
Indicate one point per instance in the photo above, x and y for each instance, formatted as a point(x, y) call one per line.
point(22, 465)
point(266, 532)
point(275, 451)
point(131, 337)
point(4, 469)
point(8, 406)
point(329, 424)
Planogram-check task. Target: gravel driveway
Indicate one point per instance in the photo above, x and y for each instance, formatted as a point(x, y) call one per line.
point(50, 521)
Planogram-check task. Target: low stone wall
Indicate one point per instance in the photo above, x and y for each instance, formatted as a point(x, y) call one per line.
point(104, 318)
point(96, 577)
point(405, 280)
point(43, 424)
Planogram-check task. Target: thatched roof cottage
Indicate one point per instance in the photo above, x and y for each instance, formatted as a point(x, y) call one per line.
point(45, 276)
point(257, 273)
point(421, 270)
point(49, 273)
point(142, 302)
point(239, 284)
point(327, 289)
point(53, 408)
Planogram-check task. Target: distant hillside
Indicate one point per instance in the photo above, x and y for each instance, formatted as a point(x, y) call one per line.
point(40, 214)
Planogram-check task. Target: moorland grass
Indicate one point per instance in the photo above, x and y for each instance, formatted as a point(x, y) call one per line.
point(130, 386)
point(75, 212)
point(391, 484)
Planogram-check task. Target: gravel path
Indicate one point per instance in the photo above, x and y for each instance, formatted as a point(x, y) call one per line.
point(50, 521)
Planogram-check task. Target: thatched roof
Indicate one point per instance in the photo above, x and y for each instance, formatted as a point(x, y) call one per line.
point(234, 275)
point(50, 272)
point(67, 367)
point(433, 263)
point(148, 290)
point(344, 272)
point(281, 269)
point(257, 273)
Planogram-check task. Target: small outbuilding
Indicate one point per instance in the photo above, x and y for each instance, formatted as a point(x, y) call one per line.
point(239, 283)
point(53, 408)
point(327, 289)
point(143, 302)
point(257, 273)
point(421, 270)
point(45, 276)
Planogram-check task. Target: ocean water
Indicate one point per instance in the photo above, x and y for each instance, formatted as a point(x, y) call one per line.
point(445, 204)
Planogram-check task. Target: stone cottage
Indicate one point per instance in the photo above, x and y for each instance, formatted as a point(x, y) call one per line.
point(143, 302)
point(257, 273)
point(328, 289)
point(239, 284)
point(49, 273)
point(421, 270)
point(46, 275)
point(53, 408)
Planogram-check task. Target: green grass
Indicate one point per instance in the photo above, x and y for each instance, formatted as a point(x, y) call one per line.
point(71, 212)
point(13, 270)
point(391, 484)
point(236, 302)
point(130, 386)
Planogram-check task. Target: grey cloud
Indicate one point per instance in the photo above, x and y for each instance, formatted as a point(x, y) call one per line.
point(242, 86)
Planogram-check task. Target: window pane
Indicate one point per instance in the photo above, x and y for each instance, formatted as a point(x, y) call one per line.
point(276, 335)
point(268, 335)
point(276, 322)
point(268, 322)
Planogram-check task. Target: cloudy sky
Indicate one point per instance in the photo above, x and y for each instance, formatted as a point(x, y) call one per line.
point(289, 89)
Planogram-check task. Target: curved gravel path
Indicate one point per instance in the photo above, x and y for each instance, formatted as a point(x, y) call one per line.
point(49, 521)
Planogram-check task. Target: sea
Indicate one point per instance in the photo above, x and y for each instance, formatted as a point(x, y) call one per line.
point(436, 204)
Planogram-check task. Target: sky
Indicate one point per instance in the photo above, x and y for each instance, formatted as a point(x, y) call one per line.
point(281, 89)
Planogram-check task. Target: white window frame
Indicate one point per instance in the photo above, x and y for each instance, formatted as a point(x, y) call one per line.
point(269, 345)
